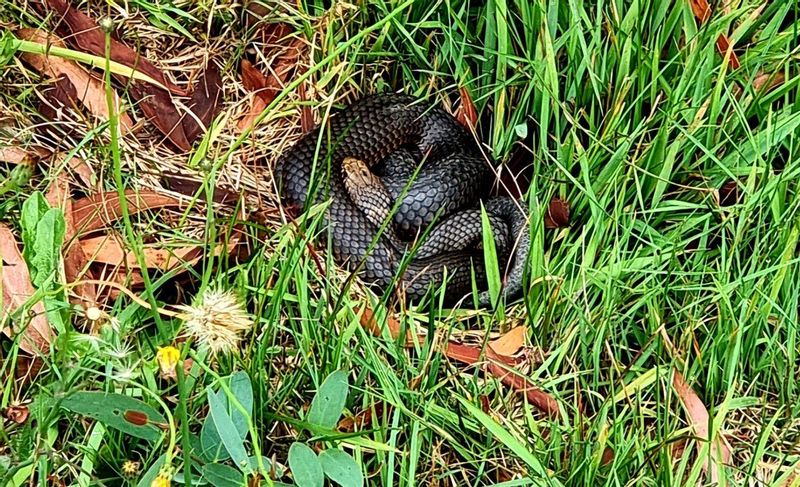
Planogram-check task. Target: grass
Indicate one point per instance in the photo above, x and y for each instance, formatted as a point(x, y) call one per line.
point(625, 109)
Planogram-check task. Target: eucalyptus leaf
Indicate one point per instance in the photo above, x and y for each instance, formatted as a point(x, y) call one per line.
point(305, 465)
point(124, 413)
point(223, 423)
point(328, 403)
point(341, 468)
point(220, 475)
point(210, 440)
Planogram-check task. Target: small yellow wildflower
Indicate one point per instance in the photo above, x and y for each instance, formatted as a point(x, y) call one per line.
point(161, 481)
point(130, 468)
point(167, 360)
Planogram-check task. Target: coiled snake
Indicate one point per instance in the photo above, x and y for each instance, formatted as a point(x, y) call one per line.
point(388, 156)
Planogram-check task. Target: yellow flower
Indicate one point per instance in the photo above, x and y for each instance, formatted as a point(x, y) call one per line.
point(167, 360)
point(130, 468)
point(161, 481)
point(217, 322)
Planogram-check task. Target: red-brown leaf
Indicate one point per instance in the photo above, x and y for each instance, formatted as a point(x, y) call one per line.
point(74, 84)
point(466, 113)
point(514, 379)
point(557, 214)
point(86, 35)
point(306, 115)
point(192, 188)
point(701, 9)
point(16, 414)
point(723, 44)
point(267, 86)
point(510, 342)
point(97, 211)
point(205, 103)
point(17, 290)
point(698, 418)
point(252, 78)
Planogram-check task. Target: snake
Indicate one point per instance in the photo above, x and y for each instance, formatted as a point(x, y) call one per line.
point(405, 186)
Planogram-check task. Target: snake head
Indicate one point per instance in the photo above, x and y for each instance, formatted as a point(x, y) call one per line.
point(356, 174)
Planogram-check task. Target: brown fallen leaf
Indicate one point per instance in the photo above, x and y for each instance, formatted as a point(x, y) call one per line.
point(466, 113)
point(111, 250)
point(702, 10)
point(766, 82)
point(191, 188)
point(498, 365)
point(306, 115)
point(16, 414)
point(511, 342)
point(699, 418)
point(267, 87)
point(102, 209)
point(14, 155)
point(85, 88)
point(85, 34)
point(362, 420)
point(518, 382)
point(557, 215)
point(17, 290)
point(205, 103)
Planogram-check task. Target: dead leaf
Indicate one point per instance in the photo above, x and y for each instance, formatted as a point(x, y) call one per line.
point(306, 116)
point(511, 342)
point(17, 414)
point(267, 87)
point(111, 250)
point(75, 261)
point(206, 103)
point(369, 322)
point(191, 188)
point(557, 214)
point(85, 88)
point(362, 420)
point(14, 155)
point(768, 81)
point(514, 379)
point(86, 35)
point(498, 365)
point(698, 418)
point(702, 10)
point(466, 114)
point(17, 290)
point(102, 209)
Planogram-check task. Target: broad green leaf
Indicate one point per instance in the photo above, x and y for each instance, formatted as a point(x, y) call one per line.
point(234, 444)
point(33, 209)
point(222, 475)
point(329, 401)
point(341, 468)
point(46, 253)
point(305, 465)
point(124, 413)
point(239, 383)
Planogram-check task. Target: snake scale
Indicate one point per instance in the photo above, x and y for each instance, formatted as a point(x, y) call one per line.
point(419, 167)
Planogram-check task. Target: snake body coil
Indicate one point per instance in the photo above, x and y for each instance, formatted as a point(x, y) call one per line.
point(396, 137)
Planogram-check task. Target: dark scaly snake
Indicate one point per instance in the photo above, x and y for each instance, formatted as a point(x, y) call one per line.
point(427, 167)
